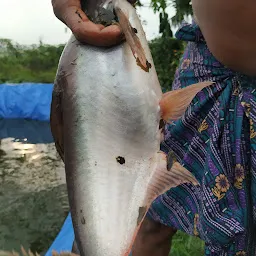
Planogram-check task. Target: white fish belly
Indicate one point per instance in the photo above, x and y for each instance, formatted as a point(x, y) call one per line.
point(113, 120)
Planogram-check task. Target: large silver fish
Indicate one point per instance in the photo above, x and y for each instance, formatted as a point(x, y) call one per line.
point(105, 120)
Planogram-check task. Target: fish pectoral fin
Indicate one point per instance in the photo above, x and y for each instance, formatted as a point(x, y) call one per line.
point(132, 39)
point(174, 103)
point(163, 179)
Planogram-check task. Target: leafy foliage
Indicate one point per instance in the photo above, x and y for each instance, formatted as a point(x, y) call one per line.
point(38, 63)
point(35, 63)
point(166, 52)
point(185, 245)
point(183, 9)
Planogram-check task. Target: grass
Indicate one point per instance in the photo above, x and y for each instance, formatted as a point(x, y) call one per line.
point(185, 245)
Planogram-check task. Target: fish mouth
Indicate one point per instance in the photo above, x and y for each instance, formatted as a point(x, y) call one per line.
point(103, 14)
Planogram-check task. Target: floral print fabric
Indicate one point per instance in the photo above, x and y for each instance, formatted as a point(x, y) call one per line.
point(216, 141)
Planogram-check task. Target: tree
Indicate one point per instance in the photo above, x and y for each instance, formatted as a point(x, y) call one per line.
point(183, 9)
point(166, 50)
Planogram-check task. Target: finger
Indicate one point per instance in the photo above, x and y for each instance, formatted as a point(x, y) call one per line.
point(88, 32)
point(97, 35)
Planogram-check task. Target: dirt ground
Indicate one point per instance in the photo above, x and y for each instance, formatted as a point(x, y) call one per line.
point(33, 196)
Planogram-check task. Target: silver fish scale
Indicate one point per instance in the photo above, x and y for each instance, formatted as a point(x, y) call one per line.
point(111, 115)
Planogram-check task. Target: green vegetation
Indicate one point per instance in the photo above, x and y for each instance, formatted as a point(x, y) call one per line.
point(35, 63)
point(166, 52)
point(184, 245)
point(38, 63)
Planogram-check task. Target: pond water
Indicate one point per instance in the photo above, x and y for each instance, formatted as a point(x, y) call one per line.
point(33, 196)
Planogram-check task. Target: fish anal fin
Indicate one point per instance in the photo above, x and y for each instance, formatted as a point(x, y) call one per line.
point(163, 179)
point(133, 40)
point(174, 103)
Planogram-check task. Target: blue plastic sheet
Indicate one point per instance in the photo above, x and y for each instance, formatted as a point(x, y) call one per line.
point(31, 101)
point(64, 240)
point(27, 131)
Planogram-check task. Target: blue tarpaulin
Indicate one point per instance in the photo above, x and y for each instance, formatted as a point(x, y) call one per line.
point(27, 131)
point(31, 101)
point(64, 240)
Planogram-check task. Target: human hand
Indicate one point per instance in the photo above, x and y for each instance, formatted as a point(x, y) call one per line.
point(70, 13)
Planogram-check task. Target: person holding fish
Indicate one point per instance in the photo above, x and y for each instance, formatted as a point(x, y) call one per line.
point(215, 139)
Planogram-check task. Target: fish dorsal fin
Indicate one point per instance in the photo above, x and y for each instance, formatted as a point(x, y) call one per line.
point(132, 39)
point(174, 103)
point(165, 178)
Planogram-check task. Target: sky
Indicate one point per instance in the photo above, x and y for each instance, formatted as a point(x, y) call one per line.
point(28, 21)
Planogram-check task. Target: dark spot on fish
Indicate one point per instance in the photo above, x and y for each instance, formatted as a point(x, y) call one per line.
point(74, 62)
point(120, 160)
point(171, 158)
point(79, 21)
point(169, 166)
point(81, 210)
point(79, 15)
point(95, 163)
point(148, 65)
point(161, 124)
point(142, 212)
point(135, 30)
point(83, 220)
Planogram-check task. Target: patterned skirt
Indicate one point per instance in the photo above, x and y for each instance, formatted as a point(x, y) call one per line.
point(216, 141)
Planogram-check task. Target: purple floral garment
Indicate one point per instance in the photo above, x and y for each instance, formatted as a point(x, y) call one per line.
point(216, 141)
